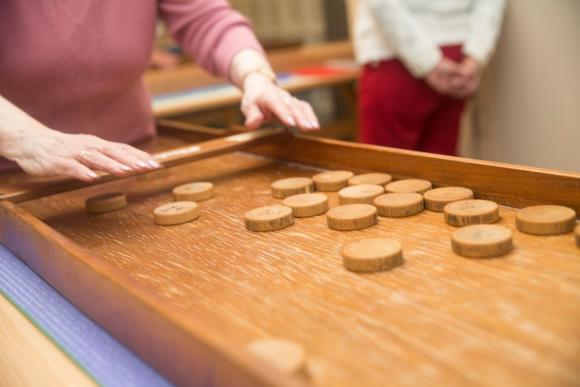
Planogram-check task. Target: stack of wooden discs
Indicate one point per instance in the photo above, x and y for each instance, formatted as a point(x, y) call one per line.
point(473, 211)
point(361, 193)
point(482, 241)
point(269, 218)
point(436, 199)
point(409, 185)
point(396, 205)
point(381, 179)
point(546, 220)
point(284, 355)
point(292, 186)
point(352, 217)
point(372, 255)
point(105, 203)
point(308, 204)
point(332, 181)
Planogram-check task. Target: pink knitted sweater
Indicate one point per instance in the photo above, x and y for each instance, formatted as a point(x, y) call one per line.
point(76, 66)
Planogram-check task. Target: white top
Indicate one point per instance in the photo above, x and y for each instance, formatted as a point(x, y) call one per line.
point(413, 30)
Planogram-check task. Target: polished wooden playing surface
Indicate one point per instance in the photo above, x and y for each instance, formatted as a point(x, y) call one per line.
point(188, 298)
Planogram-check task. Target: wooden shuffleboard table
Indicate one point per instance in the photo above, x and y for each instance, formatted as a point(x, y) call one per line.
point(189, 298)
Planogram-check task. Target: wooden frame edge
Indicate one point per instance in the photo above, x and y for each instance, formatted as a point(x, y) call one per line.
point(204, 356)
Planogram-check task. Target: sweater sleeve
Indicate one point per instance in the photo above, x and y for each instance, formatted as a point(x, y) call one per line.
point(209, 30)
point(485, 25)
point(406, 37)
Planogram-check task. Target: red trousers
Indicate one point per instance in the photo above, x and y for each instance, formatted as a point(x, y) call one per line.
point(398, 110)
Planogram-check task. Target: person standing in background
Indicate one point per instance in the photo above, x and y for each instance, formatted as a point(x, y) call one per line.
point(422, 59)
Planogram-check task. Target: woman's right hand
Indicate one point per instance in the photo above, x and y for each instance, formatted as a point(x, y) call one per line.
point(45, 152)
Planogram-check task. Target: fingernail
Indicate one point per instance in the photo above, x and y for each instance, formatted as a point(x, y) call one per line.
point(142, 164)
point(92, 175)
point(291, 121)
point(126, 168)
point(315, 125)
point(154, 164)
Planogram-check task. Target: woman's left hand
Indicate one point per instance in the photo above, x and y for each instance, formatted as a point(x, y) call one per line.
point(263, 101)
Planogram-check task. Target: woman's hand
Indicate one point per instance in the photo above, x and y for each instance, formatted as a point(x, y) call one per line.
point(459, 80)
point(444, 77)
point(263, 100)
point(470, 72)
point(44, 152)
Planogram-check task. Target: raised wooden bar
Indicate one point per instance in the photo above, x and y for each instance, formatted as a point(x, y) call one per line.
point(189, 298)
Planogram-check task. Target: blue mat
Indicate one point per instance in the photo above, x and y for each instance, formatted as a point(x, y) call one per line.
point(94, 350)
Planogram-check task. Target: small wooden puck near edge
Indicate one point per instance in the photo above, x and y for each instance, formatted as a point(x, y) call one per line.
point(308, 204)
point(352, 217)
point(436, 199)
point(194, 192)
point(372, 255)
point(371, 178)
point(482, 241)
point(409, 185)
point(361, 193)
point(332, 181)
point(291, 186)
point(473, 211)
point(106, 202)
point(284, 355)
point(268, 218)
point(176, 213)
point(397, 205)
point(546, 220)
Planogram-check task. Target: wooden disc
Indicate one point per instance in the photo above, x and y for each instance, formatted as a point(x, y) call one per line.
point(409, 185)
point(472, 211)
point(194, 192)
point(292, 186)
point(396, 205)
point(105, 203)
point(577, 234)
point(371, 178)
point(352, 217)
point(482, 241)
point(176, 213)
point(546, 220)
point(332, 181)
point(436, 199)
point(362, 193)
point(284, 355)
point(308, 204)
point(268, 218)
point(371, 255)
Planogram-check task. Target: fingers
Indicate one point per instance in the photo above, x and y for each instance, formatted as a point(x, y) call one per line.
point(74, 169)
point(127, 155)
point(300, 113)
point(94, 159)
point(308, 115)
point(280, 109)
point(254, 117)
point(259, 105)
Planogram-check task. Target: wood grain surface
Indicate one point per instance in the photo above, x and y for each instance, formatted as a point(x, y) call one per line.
point(439, 319)
point(29, 359)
